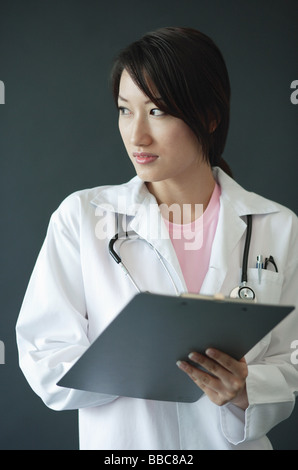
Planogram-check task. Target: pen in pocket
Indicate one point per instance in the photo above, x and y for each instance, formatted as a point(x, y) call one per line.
point(259, 266)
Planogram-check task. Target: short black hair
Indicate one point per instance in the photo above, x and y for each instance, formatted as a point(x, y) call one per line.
point(189, 76)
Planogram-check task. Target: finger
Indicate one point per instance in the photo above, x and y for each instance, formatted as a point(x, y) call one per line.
point(237, 368)
point(211, 386)
point(231, 380)
point(202, 379)
point(211, 366)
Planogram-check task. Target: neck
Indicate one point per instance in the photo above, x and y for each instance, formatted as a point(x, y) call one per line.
point(190, 196)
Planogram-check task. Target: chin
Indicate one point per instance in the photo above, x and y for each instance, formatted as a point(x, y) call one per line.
point(148, 176)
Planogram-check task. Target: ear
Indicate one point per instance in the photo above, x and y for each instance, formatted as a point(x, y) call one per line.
point(213, 125)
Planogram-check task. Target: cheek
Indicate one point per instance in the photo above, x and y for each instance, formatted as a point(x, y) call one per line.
point(182, 138)
point(124, 136)
point(121, 131)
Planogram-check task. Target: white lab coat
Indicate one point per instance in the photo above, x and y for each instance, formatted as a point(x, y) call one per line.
point(76, 289)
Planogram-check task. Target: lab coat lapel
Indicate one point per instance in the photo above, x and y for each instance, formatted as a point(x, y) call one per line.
point(148, 223)
point(230, 229)
point(235, 203)
point(141, 214)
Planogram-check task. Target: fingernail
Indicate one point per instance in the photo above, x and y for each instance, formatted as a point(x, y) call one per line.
point(182, 365)
point(210, 352)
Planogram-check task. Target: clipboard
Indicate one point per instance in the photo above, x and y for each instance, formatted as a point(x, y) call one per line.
point(136, 355)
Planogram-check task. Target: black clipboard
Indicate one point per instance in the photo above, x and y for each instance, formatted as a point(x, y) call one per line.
point(135, 356)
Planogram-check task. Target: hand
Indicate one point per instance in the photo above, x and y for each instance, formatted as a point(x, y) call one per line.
point(226, 381)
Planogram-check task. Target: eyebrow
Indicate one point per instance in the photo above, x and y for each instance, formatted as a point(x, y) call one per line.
point(145, 102)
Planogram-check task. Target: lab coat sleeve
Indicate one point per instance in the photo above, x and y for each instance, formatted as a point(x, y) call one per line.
point(272, 382)
point(52, 328)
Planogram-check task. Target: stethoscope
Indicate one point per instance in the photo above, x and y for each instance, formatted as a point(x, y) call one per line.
point(125, 236)
point(243, 291)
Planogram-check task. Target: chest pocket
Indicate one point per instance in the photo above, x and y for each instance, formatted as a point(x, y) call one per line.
point(269, 290)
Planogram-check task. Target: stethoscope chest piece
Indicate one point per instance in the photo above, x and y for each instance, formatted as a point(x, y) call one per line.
point(243, 292)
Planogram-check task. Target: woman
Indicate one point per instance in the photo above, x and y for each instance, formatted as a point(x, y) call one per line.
point(172, 90)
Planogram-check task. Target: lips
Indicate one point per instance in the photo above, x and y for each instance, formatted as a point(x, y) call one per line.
point(144, 157)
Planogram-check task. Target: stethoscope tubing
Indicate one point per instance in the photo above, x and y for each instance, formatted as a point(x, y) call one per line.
point(243, 291)
point(125, 236)
point(246, 248)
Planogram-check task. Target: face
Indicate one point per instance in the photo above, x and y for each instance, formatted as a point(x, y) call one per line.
point(160, 146)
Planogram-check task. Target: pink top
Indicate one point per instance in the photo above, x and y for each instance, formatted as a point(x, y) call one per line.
point(193, 243)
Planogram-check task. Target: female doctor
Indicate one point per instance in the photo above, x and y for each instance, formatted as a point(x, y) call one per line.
point(172, 90)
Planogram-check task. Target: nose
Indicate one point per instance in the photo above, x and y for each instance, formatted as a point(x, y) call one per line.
point(140, 133)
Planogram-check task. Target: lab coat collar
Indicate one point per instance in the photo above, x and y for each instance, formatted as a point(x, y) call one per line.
point(133, 199)
point(128, 198)
point(243, 202)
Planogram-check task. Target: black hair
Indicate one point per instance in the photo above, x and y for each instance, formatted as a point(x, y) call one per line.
point(190, 81)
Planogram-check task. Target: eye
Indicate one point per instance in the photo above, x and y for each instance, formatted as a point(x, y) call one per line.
point(157, 112)
point(123, 111)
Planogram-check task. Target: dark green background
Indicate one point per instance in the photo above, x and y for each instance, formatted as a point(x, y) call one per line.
point(58, 134)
